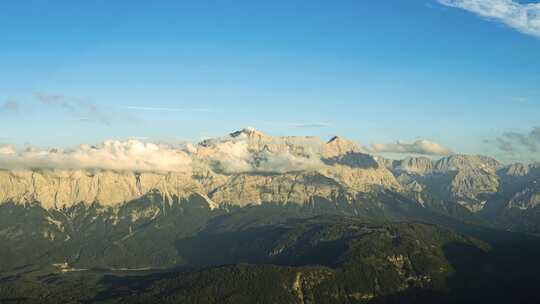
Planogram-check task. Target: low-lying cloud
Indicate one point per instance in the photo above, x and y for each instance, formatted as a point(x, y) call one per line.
point(523, 17)
point(423, 147)
point(229, 155)
point(236, 158)
point(246, 151)
point(113, 155)
point(242, 153)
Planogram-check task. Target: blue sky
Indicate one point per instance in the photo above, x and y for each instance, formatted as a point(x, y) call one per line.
point(373, 71)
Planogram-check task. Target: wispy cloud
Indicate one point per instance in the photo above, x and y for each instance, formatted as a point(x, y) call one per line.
point(166, 109)
point(79, 108)
point(111, 154)
point(304, 125)
point(313, 125)
point(522, 17)
point(514, 141)
point(12, 106)
point(423, 147)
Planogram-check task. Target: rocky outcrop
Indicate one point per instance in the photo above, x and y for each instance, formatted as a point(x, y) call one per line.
point(250, 167)
point(416, 165)
point(465, 179)
point(246, 167)
point(59, 188)
point(527, 198)
point(460, 162)
point(338, 146)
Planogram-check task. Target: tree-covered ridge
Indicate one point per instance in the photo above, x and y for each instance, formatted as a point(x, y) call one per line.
point(321, 259)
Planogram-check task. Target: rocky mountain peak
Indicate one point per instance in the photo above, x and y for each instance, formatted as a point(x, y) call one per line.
point(340, 146)
point(459, 162)
point(515, 170)
point(248, 132)
point(417, 165)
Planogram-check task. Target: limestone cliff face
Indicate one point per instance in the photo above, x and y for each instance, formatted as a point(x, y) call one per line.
point(280, 170)
point(416, 165)
point(339, 146)
point(363, 180)
point(522, 184)
point(515, 170)
point(474, 175)
point(464, 162)
point(258, 168)
point(58, 188)
point(465, 179)
point(469, 184)
point(471, 180)
point(286, 188)
point(341, 170)
point(527, 198)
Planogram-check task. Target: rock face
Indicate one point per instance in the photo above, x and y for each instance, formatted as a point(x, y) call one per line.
point(503, 194)
point(527, 198)
point(466, 179)
point(56, 189)
point(285, 188)
point(465, 162)
point(247, 167)
point(416, 165)
point(520, 184)
point(338, 146)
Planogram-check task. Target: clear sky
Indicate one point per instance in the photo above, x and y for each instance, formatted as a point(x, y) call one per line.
point(453, 72)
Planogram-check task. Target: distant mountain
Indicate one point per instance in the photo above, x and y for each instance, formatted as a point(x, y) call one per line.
point(312, 209)
point(506, 195)
point(247, 167)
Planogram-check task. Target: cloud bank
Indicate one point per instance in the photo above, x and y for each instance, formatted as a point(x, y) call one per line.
point(523, 17)
point(113, 155)
point(423, 147)
point(237, 158)
point(246, 151)
point(251, 151)
point(229, 155)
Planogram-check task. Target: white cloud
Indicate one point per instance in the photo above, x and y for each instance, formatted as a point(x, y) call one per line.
point(231, 157)
point(246, 151)
point(424, 147)
point(7, 150)
point(522, 17)
point(249, 151)
point(241, 154)
point(113, 155)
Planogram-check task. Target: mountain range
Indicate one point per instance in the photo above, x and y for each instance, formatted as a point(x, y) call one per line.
point(297, 209)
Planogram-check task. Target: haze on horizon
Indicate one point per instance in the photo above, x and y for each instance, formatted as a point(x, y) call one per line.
point(458, 75)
